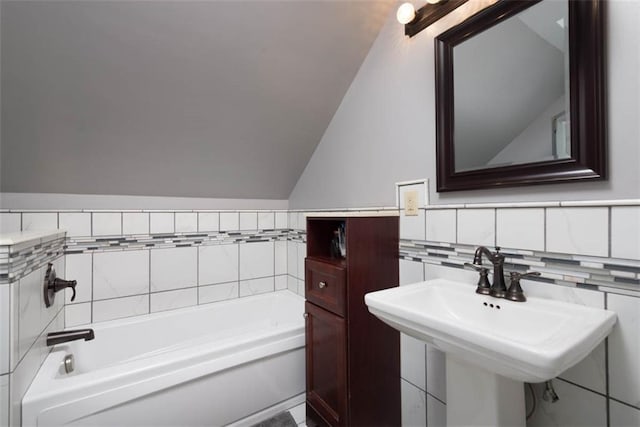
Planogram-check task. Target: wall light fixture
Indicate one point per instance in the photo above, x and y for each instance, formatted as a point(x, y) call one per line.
point(417, 20)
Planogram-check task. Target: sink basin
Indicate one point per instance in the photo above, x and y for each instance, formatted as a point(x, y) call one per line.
point(530, 341)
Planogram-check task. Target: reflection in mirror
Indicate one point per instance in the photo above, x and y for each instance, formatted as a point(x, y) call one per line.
point(520, 95)
point(510, 86)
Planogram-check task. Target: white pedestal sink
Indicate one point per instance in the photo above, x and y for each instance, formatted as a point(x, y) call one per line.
point(492, 345)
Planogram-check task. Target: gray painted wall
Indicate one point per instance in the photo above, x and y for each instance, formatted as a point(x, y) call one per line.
point(219, 99)
point(384, 130)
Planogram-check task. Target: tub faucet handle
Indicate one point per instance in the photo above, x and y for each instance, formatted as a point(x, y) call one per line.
point(53, 284)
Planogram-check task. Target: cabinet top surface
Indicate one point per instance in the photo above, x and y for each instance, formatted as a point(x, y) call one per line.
point(342, 214)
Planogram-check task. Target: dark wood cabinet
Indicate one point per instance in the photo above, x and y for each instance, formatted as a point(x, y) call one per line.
point(353, 359)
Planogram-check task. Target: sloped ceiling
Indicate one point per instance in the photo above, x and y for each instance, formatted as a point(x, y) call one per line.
point(173, 98)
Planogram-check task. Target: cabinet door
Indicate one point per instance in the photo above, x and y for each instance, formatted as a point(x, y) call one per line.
point(326, 364)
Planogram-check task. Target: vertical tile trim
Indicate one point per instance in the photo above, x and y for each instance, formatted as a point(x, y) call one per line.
point(606, 364)
point(609, 250)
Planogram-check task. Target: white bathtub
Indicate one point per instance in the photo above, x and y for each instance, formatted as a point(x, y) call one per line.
point(229, 363)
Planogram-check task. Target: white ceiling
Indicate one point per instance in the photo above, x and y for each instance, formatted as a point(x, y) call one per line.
point(174, 98)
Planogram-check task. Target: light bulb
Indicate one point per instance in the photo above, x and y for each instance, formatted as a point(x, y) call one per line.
point(433, 1)
point(406, 13)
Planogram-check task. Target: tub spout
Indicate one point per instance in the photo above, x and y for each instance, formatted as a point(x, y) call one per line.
point(54, 338)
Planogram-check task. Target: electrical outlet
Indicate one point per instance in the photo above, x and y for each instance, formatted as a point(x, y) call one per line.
point(411, 203)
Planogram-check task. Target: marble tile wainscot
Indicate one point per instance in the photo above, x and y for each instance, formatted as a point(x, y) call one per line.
point(24, 320)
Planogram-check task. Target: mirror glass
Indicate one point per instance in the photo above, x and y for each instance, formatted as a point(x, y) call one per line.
point(510, 86)
point(520, 95)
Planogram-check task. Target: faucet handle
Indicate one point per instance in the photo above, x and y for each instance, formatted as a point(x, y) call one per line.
point(53, 284)
point(515, 292)
point(484, 287)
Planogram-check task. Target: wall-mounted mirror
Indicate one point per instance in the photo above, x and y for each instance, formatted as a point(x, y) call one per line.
point(520, 95)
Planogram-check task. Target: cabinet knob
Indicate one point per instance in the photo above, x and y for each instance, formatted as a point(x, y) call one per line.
point(322, 285)
point(305, 315)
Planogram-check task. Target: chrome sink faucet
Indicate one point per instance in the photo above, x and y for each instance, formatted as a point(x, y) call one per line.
point(498, 288)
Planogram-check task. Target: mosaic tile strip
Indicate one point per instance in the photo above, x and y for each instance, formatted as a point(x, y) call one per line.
point(299, 236)
point(15, 264)
point(560, 269)
point(171, 240)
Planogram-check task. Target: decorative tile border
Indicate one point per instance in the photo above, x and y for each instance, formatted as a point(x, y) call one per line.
point(79, 245)
point(561, 269)
point(17, 262)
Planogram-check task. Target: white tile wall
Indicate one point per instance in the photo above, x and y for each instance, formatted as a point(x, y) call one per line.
point(624, 349)
point(576, 231)
point(412, 227)
point(77, 314)
point(412, 361)
point(5, 327)
point(414, 405)
point(266, 220)
point(14, 333)
point(302, 253)
point(302, 221)
point(257, 286)
point(292, 258)
point(186, 222)
point(106, 223)
point(4, 400)
point(477, 227)
point(39, 221)
point(280, 254)
point(410, 272)
point(75, 223)
point(229, 221)
point(282, 220)
point(78, 267)
point(10, 222)
point(208, 221)
point(436, 412)
point(520, 228)
point(583, 231)
point(248, 221)
point(623, 415)
point(432, 271)
point(174, 268)
point(31, 310)
point(293, 221)
point(118, 274)
point(135, 223)
point(120, 307)
point(576, 407)
point(292, 284)
point(256, 260)
point(441, 225)
point(625, 224)
point(161, 301)
point(220, 292)
point(161, 222)
point(280, 282)
point(218, 264)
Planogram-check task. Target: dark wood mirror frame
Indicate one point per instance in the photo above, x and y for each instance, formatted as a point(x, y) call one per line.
point(586, 105)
